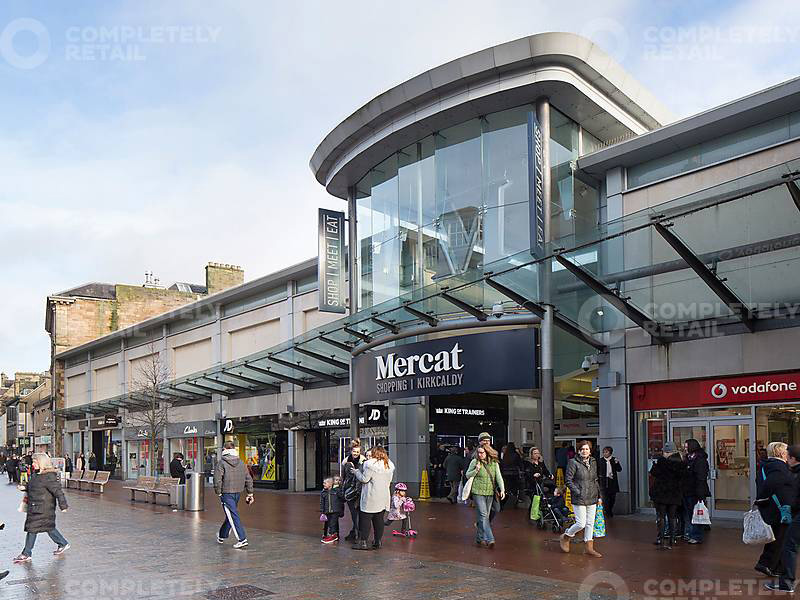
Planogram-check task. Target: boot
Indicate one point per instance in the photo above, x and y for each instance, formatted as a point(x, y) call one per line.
point(658, 541)
point(361, 545)
point(667, 543)
point(564, 542)
point(591, 551)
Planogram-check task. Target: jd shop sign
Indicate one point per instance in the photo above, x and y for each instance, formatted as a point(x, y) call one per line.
point(503, 360)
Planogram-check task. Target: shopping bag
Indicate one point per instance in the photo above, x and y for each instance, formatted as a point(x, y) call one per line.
point(756, 531)
point(599, 523)
point(700, 514)
point(536, 512)
point(23, 504)
point(323, 517)
point(467, 491)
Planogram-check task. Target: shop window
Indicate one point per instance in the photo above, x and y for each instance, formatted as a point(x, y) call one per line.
point(779, 423)
point(651, 430)
point(733, 411)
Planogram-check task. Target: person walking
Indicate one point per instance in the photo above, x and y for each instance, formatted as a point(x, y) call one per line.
point(581, 479)
point(535, 472)
point(511, 467)
point(80, 463)
point(231, 478)
point(208, 466)
point(665, 492)
point(453, 465)
point(608, 470)
point(376, 478)
point(351, 487)
point(68, 465)
point(695, 487)
point(775, 488)
point(487, 478)
point(176, 468)
point(44, 491)
point(92, 462)
point(791, 540)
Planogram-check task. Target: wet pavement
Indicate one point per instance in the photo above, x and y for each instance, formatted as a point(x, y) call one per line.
point(122, 549)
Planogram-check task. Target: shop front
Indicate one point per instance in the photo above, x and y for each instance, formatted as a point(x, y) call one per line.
point(195, 440)
point(263, 450)
point(328, 444)
point(733, 419)
point(106, 444)
point(459, 420)
point(139, 460)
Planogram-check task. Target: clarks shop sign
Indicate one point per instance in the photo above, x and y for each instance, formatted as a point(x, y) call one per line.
point(503, 360)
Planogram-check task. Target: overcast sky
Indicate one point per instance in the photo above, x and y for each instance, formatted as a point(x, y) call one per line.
point(168, 150)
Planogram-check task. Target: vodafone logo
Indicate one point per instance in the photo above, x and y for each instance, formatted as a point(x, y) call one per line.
point(720, 390)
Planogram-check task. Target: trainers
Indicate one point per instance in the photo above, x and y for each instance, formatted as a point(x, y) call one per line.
point(240, 544)
point(220, 540)
point(329, 539)
point(398, 533)
point(21, 558)
point(775, 586)
point(61, 550)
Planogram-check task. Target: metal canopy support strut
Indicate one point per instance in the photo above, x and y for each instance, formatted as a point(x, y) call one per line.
point(722, 291)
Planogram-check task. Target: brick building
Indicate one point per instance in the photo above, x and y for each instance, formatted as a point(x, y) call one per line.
point(87, 312)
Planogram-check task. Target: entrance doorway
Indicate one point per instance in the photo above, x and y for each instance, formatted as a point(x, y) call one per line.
point(730, 445)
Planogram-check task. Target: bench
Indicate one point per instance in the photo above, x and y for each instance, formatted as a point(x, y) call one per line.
point(165, 486)
point(152, 487)
point(86, 477)
point(100, 480)
point(73, 478)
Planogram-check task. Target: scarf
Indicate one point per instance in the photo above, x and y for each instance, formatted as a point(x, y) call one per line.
point(230, 452)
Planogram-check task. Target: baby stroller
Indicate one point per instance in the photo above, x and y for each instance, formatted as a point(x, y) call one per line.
point(553, 512)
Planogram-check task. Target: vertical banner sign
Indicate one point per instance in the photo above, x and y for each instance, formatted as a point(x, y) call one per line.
point(536, 185)
point(331, 265)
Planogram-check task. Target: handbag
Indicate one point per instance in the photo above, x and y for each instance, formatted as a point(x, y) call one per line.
point(536, 512)
point(756, 531)
point(599, 523)
point(700, 514)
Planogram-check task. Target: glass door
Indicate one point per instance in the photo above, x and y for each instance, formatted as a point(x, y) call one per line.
point(731, 459)
point(728, 445)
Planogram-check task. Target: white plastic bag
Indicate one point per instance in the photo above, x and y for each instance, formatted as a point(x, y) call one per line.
point(756, 531)
point(467, 491)
point(700, 515)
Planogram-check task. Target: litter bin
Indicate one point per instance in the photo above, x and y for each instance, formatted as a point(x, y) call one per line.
point(179, 501)
point(195, 491)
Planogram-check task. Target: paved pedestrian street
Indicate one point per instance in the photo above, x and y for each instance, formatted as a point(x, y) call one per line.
point(136, 550)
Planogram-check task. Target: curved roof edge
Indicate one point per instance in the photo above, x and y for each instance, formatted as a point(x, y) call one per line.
point(529, 54)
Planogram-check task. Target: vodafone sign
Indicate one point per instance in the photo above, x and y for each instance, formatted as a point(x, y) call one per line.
point(748, 389)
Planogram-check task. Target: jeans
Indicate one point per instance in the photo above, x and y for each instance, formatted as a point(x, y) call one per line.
point(483, 504)
point(454, 490)
point(666, 517)
point(364, 521)
point(331, 526)
point(30, 540)
point(609, 498)
point(789, 553)
point(584, 519)
point(355, 512)
point(694, 532)
point(230, 506)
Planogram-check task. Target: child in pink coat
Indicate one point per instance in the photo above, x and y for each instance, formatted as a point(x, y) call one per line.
point(402, 507)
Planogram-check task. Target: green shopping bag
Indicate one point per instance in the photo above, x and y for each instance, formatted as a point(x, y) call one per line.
point(536, 513)
point(599, 523)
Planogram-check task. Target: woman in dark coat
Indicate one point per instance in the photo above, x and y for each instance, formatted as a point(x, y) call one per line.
point(44, 490)
point(511, 468)
point(695, 486)
point(665, 492)
point(582, 482)
point(773, 478)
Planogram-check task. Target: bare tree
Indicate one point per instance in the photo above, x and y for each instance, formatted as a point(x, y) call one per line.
point(151, 373)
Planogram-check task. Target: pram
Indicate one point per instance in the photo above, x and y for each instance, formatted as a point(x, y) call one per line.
point(553, 513)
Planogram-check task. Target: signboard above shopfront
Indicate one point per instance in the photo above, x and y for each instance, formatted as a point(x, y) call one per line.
point(501, 360)
point(372, 415)
point(720, 391)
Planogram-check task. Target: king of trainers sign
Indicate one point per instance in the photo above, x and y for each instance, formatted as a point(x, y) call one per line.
point(503, 360)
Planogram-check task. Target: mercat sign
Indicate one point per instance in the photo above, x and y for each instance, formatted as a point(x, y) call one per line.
point(504, 360)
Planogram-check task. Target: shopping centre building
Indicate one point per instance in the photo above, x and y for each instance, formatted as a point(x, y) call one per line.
point(539, 252)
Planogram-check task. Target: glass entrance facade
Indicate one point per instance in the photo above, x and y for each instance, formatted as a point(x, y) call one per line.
point(459, 199)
